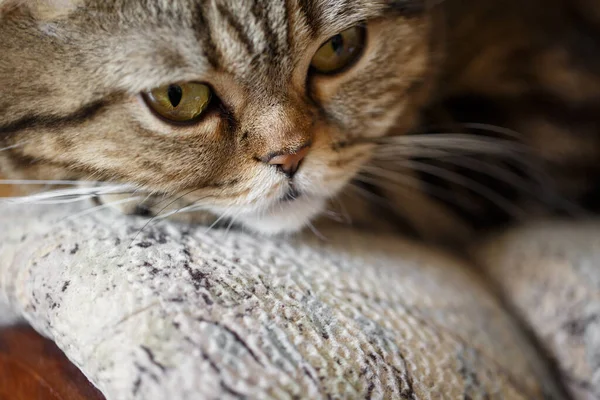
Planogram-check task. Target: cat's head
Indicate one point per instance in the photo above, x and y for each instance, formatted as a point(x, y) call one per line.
point(262, 109)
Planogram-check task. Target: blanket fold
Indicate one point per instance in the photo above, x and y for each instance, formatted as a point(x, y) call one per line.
point(173, 311)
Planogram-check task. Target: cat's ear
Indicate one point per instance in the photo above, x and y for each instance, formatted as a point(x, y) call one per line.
point(41, 9)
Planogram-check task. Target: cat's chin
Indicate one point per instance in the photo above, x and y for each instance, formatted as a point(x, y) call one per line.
point(285, 217)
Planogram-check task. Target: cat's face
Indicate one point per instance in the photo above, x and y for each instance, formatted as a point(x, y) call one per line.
point(247, 106)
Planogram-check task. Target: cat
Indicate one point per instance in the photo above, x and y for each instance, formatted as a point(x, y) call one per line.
point(268, 113)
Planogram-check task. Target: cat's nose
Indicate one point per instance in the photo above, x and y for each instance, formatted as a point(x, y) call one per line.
point(289, 162)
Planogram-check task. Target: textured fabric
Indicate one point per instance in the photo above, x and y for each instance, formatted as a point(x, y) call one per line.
point(550, 275)
point(178, 312)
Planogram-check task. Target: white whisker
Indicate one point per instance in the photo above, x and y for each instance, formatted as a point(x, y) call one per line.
point(25, 182)
point(496, 172)
point(100, 207)
point(493, 128)
point(335, 216)
point(183, 210)
point(457, 142)
point(467, 183)
point(317, 233)
point(369, 195)
point(14, 146)
point(223, 216)
point(232, 222)
point(441, 194)
point(160, 212)
point(343, 210)
point(63, 196)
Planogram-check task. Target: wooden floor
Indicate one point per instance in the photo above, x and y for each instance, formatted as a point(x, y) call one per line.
point(33, 368)
point(5, 191)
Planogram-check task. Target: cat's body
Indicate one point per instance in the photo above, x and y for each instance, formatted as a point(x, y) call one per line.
point(529, 71)
point(283, 127)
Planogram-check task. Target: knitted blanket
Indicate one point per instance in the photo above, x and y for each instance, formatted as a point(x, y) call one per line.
point(173, 311)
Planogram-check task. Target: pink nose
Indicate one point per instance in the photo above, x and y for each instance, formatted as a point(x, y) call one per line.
point(290, 162)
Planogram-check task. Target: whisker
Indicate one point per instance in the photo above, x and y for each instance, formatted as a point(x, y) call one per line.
point(544, 189)
point(183, 210)
point(14, 146)
point(316, 232)
point(431, 129)
point(232, 222)
point(369, 195)
point(503, 175)
point(335, 216)
point(462, 142)
point(223, 216)
point(25, 182)
point(57, 200)
point(467, 183)
point(493, 128)
point(418, 149)
point(439, 193)
point(344, 211)
point(159, 213)
point(100, 207)
point(76, 194)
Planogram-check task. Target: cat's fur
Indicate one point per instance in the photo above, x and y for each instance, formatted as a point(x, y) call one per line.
point(71, 73)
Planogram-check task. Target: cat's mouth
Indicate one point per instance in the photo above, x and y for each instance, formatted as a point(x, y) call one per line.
point(287, 214)
point(291, 195)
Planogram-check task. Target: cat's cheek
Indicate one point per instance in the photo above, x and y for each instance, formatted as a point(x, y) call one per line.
point(326, 172)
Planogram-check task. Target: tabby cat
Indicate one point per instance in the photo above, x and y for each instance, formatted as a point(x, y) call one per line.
point(437, 116)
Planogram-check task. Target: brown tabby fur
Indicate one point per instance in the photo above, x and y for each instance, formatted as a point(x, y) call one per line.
point(71, 73)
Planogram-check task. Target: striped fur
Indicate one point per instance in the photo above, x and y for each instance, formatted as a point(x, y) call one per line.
point(72, 72)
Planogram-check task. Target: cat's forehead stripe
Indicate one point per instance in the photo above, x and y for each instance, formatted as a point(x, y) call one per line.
point(241, 31)
point(203, 33)
point(311, 15)
point(260, 28)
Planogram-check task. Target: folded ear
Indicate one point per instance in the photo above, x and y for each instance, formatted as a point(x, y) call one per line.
point(41, 9)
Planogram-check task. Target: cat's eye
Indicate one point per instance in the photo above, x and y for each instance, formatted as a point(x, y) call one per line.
point(183, 102)
point(340, 52)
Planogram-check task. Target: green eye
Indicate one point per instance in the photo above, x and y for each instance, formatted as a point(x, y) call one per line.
point(183, 102)
point(340, 51)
